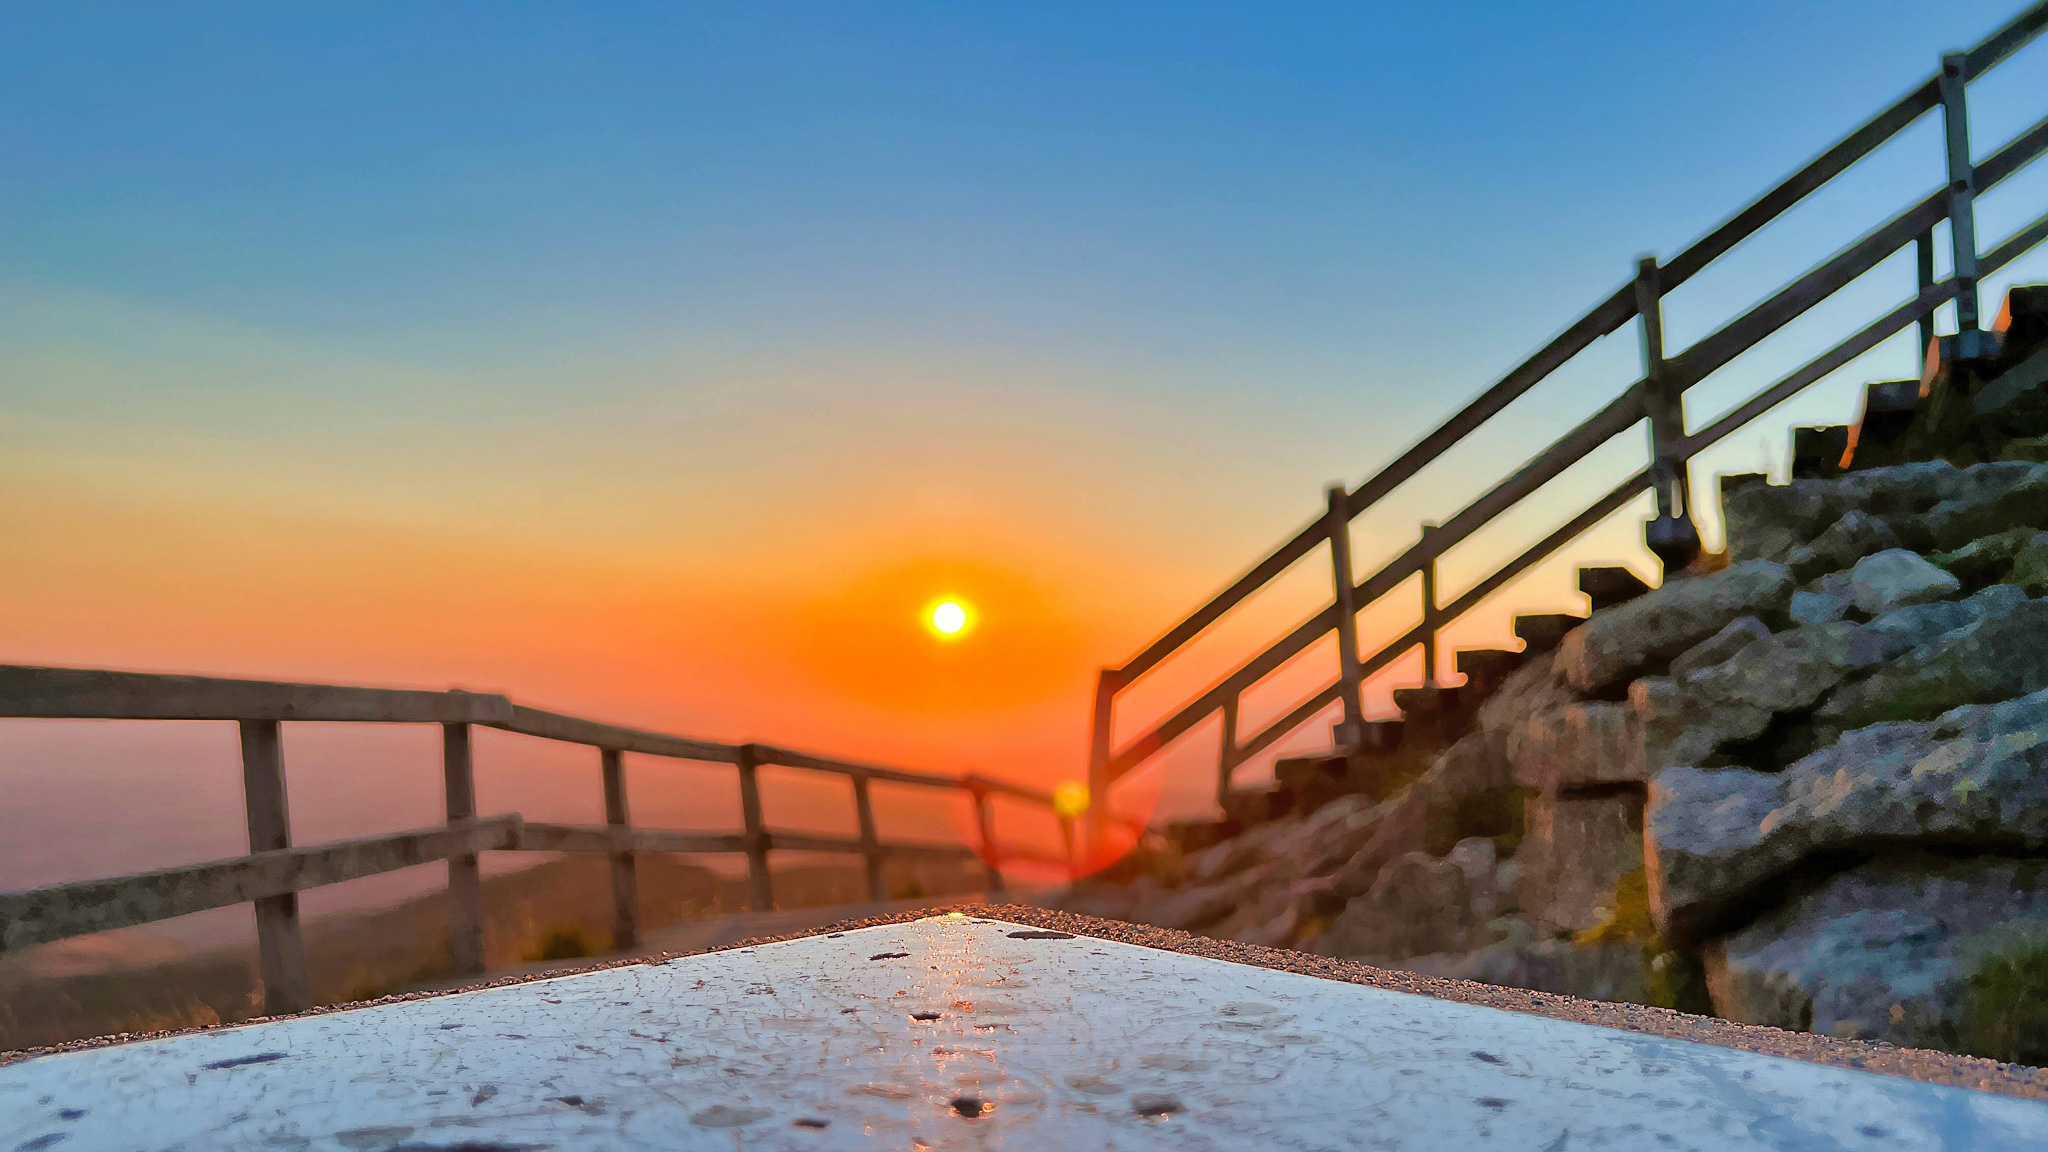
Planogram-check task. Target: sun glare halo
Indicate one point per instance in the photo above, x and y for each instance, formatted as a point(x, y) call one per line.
point(949, 618)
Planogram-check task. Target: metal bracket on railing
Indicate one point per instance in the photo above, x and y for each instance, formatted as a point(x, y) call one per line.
point(1672, 536)
point(1962, 195)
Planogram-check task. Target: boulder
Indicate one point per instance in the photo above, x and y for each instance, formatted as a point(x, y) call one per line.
point(1740, 633)
point(1818, 607)
point(1529, 957)
point(2030, 565)
point(1687, 720)
point(1717, 839)
point(1856, 535)
point(1578, 745)
point(1477, 858)
point(1643, 635)
point(1421, 903)
point(1896, 578)
point(1198, 908)
point(1997, 656)
point(1987, 560)
point(1574, 852)
point(1897, 950)
point(1769, 521)
point(1996, 497)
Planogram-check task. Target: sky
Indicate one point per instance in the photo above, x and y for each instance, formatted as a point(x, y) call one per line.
point(663, 363)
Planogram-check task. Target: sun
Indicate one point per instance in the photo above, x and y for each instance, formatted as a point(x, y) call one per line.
point(949, 618)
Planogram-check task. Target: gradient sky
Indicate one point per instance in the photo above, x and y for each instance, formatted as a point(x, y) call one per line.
point(659, 362)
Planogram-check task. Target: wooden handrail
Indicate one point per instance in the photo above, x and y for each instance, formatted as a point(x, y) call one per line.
point(1672, 377)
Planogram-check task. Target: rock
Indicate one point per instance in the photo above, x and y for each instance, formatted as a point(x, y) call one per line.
point(1198, 908)
point(1887, 951)
point(1856, 535)
point(1997, 656)
point(1688, 721)
point(2030, 565)
point(1985, 561)
point(1997, 497)
point(1644, 634)
point(1768, 521)
point(1576, 745)
point(1818, 607)
point(1734, 701)
point(1530, 958)
point(1574, 852)
point(1896, 578)
point(1739, 634)
point(1718, 838)
point(1480, 862)
point(1421, 903)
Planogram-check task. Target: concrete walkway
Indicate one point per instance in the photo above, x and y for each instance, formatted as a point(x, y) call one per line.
point(966, 1032)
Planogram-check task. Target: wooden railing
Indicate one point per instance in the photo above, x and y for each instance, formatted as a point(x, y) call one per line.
point(274, 872)
point(1657, 397)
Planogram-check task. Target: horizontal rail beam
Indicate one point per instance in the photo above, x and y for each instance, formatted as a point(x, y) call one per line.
point(1836, 272)
point(95, 694)
point(53, 913)
point(571, 730)
point(603, 838)
point(1617, 417)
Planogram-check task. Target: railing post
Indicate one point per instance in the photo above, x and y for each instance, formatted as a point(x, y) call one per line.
point(1067, 842)
point(756, 833)
point(281, 952)
point(1226, 751)
point(625, 878)
point(1351, 730)
point(1106, 684)
point(870, 843)
point(1672, 536)
point(465, 879)
point(1962, 194)
point(985, 822)
point(1429, 607)
point(1923, 266)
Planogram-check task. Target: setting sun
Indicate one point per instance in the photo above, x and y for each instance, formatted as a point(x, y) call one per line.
point(949, 618)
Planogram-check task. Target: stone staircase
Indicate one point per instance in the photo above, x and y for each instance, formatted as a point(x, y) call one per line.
point(1992, 406)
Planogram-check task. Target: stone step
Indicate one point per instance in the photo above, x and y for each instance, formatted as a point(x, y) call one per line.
point(1297, 771)
point(1541, 631)
point(1876, 439)
point(1382, 735)
point(1188, 837)
point(1484, 669)
point(1250, 806)
point(1425, 700)
point(2022, 323)
point(1817, 450)
point(1606, 586)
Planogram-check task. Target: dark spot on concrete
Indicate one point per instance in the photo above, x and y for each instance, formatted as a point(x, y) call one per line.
point(1041, 934)
point(237, 1062)
point(849, 1011)
point(43, 1141)
point(482, 1094)
point(972, 1107)
point(512, 1036)
point(926, 1017)
point(469, 1146)
point(1487, 1058)
point(833, 936)
point(448, 1027)
point(888, 955)
point(1493, 1102)
point(812, 1122)
point(1874, 1131)
point(1155, 1104)
point(70, 1113)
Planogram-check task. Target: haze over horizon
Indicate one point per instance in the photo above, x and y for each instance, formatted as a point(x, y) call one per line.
point(665, 367)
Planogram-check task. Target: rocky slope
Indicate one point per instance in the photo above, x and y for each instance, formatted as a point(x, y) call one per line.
point(1809, 789)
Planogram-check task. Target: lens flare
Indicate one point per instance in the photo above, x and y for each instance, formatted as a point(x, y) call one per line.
point(1070, 798)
